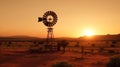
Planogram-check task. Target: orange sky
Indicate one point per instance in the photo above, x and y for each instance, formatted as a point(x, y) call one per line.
point(19, 17)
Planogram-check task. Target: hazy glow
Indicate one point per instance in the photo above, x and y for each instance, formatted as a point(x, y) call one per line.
point(88, 32)
point(19, 17)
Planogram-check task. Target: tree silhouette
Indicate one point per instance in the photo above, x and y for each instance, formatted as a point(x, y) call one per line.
point(113, 44)
point(114, 61)
point(64, 44)
point(93, 46)
point(9, 44)
point(0, 44)
point(77, 44)
point(101, 49)
point(58, 46)
point(82, 51)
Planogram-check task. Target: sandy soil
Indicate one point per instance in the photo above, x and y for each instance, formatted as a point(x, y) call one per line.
point(25, 59)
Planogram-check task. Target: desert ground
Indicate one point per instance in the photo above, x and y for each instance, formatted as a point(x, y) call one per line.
point(11, 58)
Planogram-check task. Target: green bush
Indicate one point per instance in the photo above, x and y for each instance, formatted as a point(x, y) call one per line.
point(114, 61)
point(61, 64)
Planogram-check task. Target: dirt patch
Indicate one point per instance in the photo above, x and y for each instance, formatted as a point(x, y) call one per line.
point(47, 59)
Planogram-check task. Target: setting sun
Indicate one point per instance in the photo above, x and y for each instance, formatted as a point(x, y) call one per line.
point(88, 32)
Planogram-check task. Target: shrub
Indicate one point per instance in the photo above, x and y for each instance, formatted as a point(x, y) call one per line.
point(61, 64)
point(114, 61)
point(111, 51)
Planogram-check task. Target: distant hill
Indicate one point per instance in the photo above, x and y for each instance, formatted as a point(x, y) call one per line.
point(29, 38)
point(101, 37)
point(18, 37)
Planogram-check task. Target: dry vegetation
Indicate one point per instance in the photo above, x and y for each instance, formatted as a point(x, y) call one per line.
point(19, 56)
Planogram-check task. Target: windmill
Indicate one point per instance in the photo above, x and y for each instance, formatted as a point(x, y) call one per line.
point(49, 19)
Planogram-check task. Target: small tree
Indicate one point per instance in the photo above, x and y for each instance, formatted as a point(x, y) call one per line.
point(101, 49)
point(113, 44)
point(0, 44)
point(64, 44)
point(82, 51)
point(93, 46)
point(114, 61)
point(77, 44)
point(9, 44)
point(58, 46)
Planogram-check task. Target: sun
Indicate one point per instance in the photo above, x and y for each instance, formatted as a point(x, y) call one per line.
point(88, 32)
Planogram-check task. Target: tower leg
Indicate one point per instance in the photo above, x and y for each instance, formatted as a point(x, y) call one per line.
point(50, 39)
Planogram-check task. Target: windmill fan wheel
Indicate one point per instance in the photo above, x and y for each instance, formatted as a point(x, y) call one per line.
point(49, 18)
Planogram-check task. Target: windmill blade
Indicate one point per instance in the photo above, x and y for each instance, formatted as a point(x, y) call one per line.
point(40, 19)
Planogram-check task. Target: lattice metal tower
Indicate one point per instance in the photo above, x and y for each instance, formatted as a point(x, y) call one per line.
point(49, 19)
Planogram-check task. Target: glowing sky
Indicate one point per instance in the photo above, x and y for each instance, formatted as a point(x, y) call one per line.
point(19, 17)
